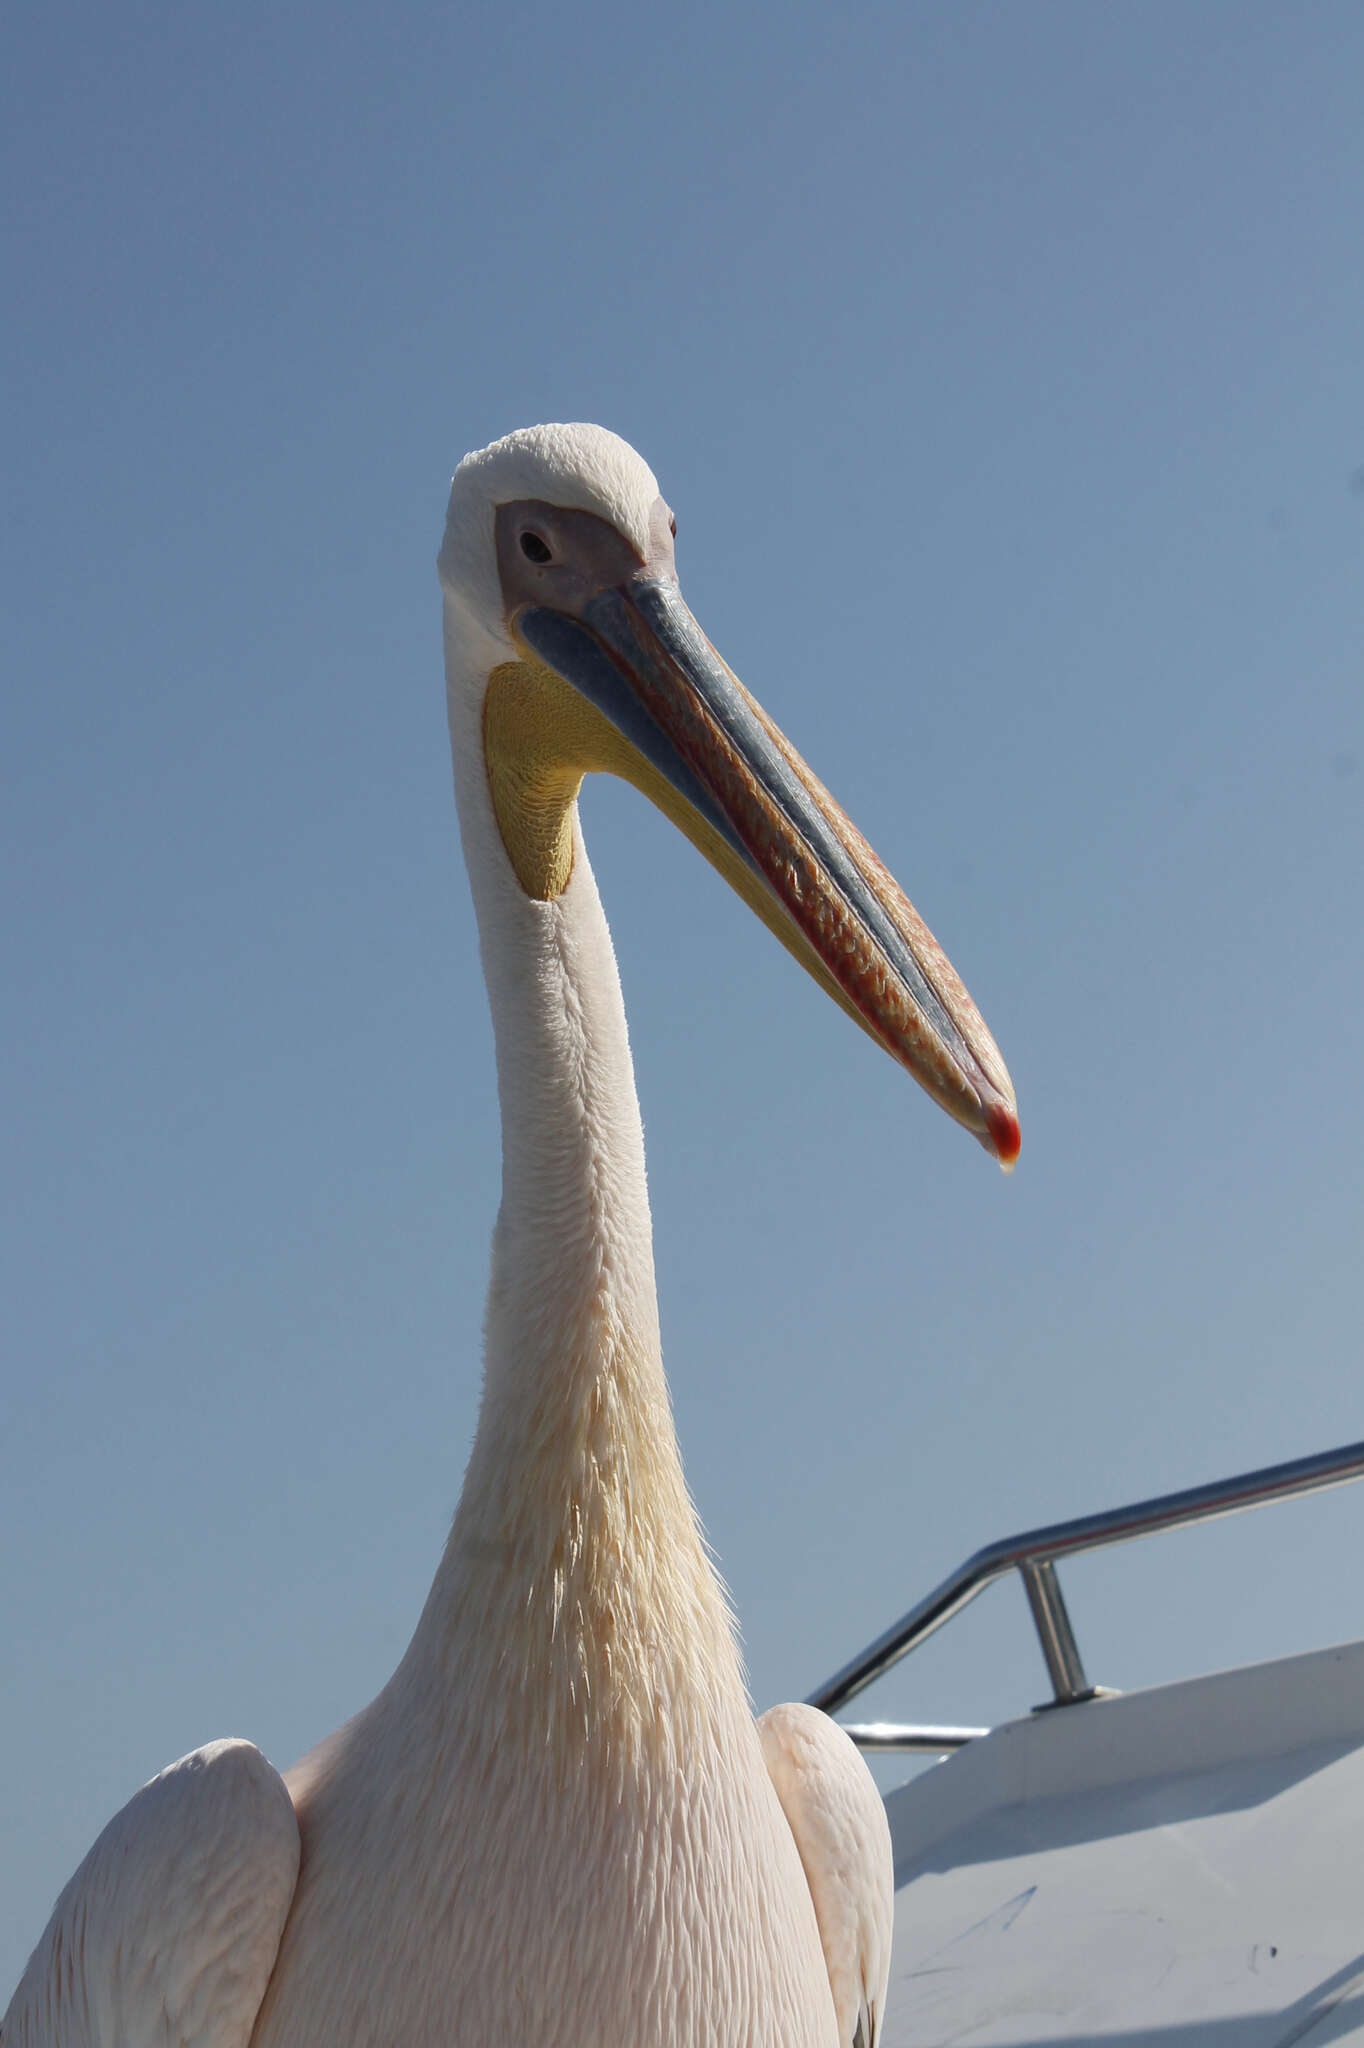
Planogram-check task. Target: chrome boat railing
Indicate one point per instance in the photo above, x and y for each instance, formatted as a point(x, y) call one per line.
point(1033, 1556)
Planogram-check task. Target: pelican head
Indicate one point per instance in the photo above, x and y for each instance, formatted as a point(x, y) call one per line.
point(563, 612)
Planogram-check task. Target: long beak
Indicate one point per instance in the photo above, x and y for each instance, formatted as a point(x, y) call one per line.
point(747, 798)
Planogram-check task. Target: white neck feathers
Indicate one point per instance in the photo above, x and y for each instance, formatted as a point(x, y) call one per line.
point(574, 1548)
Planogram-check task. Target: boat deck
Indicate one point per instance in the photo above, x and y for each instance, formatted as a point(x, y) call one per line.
point(1177, 1868)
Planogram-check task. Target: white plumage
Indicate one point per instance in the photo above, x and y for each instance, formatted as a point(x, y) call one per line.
point(843, 1836)
point(167, 1934)
point(559, 1822)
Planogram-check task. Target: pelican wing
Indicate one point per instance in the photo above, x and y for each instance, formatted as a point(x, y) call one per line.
point(835, 1813)
point(167, 1934)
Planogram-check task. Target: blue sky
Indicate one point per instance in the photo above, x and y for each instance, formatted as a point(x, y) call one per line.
point(1003, 367)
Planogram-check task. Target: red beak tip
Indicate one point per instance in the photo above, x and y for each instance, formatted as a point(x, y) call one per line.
point(1006, 1139)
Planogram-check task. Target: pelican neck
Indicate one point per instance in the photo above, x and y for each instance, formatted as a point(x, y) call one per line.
point(575, 1539)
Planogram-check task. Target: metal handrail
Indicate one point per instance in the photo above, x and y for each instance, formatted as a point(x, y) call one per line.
point(914, 1741)
point(1032, 1555)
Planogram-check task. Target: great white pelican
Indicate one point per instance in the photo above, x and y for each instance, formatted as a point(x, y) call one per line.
point(559, 1823)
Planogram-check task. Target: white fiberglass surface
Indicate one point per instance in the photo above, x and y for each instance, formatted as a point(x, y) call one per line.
point(1178, 1868)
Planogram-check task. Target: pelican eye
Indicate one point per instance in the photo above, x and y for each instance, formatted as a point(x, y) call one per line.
point(534, 549)
point(672, 528)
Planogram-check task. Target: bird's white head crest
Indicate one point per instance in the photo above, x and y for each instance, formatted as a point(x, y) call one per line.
point(580, 467)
